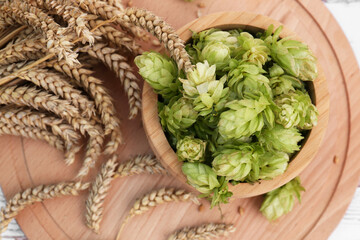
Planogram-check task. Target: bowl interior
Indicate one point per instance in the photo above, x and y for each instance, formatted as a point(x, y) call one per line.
point(317, 90)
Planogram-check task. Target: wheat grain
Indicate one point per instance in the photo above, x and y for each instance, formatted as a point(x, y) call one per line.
point(155, 198)
point(29, 49)
point(115, 3)
point(26, 14)
point(34, 133)
point(37, 194)
point(140, 164)
point(99, 190)
point(59, 85)
point(102, 99)
point(163, 32)
point(203, 232)
point(118, 64)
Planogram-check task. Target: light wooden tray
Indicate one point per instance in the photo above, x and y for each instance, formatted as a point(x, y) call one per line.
point(330, 187)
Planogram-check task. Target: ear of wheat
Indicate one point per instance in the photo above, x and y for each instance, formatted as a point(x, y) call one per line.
point(118, 64)
point(98, 192)
point(38, 194)
point(203, 232)
point(155, 198)
point(140, 164)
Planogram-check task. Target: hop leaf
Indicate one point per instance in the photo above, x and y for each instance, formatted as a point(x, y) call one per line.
point(234, 164)
point(191, 149)
point(178, 116)
point(160, 72)
point(272, 164)
point(245, 117)
point(296, 110)
point(281, 200)
point(216, 53)
point(200, 176)
point(280, 139)
point(247, 81)
point(293, 56)
point(252, 49)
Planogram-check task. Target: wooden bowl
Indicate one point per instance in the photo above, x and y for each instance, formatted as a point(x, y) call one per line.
point(317, 89)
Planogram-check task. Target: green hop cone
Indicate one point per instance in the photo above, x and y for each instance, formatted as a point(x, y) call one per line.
point(293, 56)
point(234, 164)
point(245, 117)
point(252, 49)
point(276, 71)
point(201, 177)
point(280, 139)
point(295, 109)
point(247, 80)
point(191, 149)
point(201, 39)
point(216, 53)
point(281, 200)
point(160, 72)
point(272, 164)
point(178, 116)
point(202, 74)
point(285, 84)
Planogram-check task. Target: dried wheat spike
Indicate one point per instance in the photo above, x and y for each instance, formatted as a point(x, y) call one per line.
point(34, 133)
point(103, 101)
point(106, 12)
point(33, 97)
point(115, 3)
point(140, 164)
point(163, 32)
point(59, 85)
point(98, 192)
point(26, 14)
point(27, 33)
point(37, 194)
point(27, 117)
point(118, 64)
point(7, 70)
point(116, 37)
point(28, 49)
point(76, 19)
point(92, 154)
point(203, 232)
point(155, 198)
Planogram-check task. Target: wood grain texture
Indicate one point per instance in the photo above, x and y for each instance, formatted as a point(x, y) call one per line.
point(253, 23)
point(330, 186)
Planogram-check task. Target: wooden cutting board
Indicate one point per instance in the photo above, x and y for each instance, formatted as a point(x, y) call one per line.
point(330, 187)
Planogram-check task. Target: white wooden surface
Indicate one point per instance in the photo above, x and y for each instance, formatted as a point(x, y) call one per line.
point(347, 12)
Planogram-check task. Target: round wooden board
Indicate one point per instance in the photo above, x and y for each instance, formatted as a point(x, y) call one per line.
point(330, 187)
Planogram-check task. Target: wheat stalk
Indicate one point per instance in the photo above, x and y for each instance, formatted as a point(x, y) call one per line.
point(24, 50)
point(140, 164)
point(37, 194)
point(118, 64)
point(155, 198)
point(34, 133)
point(59, 85)
point(203, 232)
point(160, 29)
point(118, 38)
point(26, 14)
point(98, 192)
point(101, 98)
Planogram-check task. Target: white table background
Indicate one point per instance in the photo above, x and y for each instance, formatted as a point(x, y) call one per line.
point(347, 12)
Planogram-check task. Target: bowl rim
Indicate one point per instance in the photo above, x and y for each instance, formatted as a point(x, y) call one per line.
point(167, 156)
